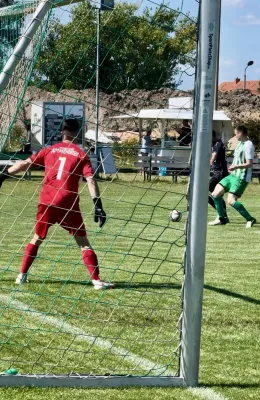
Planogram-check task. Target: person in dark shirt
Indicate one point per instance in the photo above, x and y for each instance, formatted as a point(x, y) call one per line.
point(146, 143)
point(218, 169)
point(185, 136)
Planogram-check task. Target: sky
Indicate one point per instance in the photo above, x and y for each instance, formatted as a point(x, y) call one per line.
point(239, 38)
point(240, 32)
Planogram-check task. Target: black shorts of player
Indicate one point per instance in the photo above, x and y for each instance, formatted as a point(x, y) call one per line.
point(215, 178)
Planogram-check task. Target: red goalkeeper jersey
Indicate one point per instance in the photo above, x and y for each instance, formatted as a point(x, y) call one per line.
point(64, 164)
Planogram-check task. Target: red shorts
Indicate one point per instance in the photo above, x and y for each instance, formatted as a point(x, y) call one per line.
point(71, 220)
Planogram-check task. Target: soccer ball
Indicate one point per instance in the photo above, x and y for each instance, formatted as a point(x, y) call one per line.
point(175, 215)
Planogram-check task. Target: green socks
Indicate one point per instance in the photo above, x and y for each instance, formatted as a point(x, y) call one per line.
point(219, 204)
point(242, 211)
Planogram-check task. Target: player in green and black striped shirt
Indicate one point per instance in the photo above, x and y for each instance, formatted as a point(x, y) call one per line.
point(237, 181)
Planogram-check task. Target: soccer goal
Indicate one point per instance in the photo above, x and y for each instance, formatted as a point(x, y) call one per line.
point(57, 330)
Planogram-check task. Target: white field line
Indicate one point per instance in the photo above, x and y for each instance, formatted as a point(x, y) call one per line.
point(142, 363)
point(206, 394)
point(125, 354)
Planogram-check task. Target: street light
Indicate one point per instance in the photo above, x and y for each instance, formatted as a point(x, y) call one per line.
point(248, 65)
point(102, 5)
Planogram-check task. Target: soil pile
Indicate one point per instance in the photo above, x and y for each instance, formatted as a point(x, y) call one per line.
point(239, 105)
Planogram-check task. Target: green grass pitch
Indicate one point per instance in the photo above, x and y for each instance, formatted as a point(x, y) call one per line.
point(142, 252)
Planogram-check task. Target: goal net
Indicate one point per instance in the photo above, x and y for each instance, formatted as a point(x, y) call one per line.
point(15, 21)
point(57, 327)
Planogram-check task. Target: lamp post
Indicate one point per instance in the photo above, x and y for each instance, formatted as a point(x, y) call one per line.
point(248, 65)
point(97, 77)
point(217, 61)
point(102, 5)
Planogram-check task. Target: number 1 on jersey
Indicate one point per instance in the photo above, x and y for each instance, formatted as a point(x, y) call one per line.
point(61, 167)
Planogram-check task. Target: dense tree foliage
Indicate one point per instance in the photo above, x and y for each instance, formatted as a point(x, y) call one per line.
point(138, 50)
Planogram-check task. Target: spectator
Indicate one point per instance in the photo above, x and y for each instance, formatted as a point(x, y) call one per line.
point(185, 136)
point(146, 143)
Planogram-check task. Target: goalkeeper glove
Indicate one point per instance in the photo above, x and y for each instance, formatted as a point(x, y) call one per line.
point(4, 175)
point(99, 214)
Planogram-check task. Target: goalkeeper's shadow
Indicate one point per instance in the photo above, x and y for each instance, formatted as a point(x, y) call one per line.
point(147, 285)
point(122, 284)
point(118, 285)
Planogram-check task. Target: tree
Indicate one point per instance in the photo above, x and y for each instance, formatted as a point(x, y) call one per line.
point(137, 51)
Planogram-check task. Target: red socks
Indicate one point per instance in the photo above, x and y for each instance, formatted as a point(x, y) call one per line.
point(30, 253)
point(89, 258)
point(91, 262)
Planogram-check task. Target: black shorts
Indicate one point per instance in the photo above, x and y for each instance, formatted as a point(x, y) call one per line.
point(215, 179)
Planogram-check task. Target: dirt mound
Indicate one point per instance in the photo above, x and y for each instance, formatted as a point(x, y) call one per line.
point(125, 102)
point(239, 105)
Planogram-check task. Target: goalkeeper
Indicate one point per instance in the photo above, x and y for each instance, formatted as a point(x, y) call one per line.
point(64, 164)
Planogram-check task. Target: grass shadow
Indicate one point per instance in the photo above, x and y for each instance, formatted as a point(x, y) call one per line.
point(144, 285)
point(118, 285)
point(232, 294)
point(231, 385)
point(139, 286)
point(123, 285)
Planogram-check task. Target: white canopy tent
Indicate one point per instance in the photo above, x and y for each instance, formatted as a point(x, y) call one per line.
point(221, 122)
point(102, 138)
